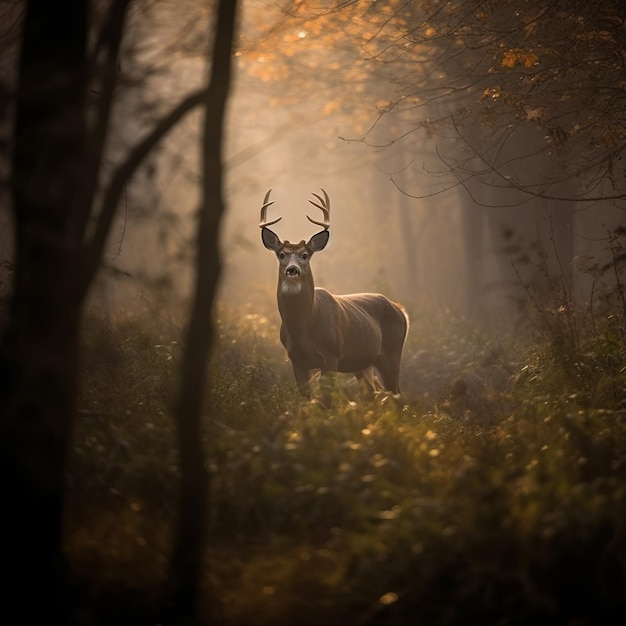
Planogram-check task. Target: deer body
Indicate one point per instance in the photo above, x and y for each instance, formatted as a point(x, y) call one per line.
point(333, 333)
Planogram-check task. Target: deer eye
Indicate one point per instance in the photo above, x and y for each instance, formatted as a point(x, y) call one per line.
point(281, 255)
point(305, 256)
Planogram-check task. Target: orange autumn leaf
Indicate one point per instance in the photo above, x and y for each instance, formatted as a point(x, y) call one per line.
point(517, 56)
point(331, 107)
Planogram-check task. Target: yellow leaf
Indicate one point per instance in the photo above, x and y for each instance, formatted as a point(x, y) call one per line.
point(530, 59)
point(516, 56)
point(508, 60)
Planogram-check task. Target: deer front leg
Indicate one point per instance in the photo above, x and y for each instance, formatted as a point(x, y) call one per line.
point(303, 379)
point(328, 380)
point(368, 376)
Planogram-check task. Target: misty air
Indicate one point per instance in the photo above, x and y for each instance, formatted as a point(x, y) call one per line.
point(313, 312)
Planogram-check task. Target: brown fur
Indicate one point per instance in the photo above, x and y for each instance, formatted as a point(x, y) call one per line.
point(345, 333)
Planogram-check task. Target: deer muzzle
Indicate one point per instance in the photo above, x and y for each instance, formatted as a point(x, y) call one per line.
point(293, 271)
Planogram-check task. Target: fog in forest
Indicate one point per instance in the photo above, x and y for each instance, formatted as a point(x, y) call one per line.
point(330, 113)
point(280, 137)
point(402, 222)
point(169, 454)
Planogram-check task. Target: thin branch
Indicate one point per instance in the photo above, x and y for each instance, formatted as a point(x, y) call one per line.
point(108, 47)
point(512, 184)
point(124, 173)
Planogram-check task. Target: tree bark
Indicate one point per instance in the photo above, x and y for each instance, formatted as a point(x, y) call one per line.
point(188, 554)
point(38, 353)
point(56, 166)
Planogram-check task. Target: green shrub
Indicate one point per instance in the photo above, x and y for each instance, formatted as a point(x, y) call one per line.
point(493, 493)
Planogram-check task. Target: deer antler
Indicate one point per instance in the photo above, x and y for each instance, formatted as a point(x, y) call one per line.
point(264, 223)
point(324, 207)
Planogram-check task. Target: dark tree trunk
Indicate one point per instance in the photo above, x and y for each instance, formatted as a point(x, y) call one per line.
point(188, 555)
point(55, 176)
point(472, 230)
point(38, 353)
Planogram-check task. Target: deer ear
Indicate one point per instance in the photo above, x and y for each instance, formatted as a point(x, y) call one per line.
point(270, 239)
point(318, 242)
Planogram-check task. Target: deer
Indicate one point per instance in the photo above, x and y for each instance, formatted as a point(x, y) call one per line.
point(360, 333)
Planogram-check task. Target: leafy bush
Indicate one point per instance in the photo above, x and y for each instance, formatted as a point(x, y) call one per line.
point(494, 493)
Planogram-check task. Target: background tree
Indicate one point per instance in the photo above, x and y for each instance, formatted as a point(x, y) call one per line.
point(520, 102)
point(187, 560)
point(62, 211)
point(526, 104)
point(498, 66)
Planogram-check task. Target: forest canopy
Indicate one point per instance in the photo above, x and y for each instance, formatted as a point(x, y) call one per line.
point(479, 70)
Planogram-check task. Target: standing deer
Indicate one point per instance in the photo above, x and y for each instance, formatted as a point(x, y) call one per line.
point(350, 333)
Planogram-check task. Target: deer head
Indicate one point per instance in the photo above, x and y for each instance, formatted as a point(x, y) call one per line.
point(294, 258)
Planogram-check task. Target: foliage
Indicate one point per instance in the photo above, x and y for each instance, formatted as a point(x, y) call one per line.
point(311, 51)
point(495, 493)
point(489, 68)
point(474, 70)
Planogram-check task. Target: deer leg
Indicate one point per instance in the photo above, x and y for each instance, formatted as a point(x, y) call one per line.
point(389, 369)
point(328, 380)
point(303, 378)
point(371, 381)
point(328, 384)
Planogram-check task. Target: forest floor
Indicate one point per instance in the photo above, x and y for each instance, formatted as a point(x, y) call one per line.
point(493, 493)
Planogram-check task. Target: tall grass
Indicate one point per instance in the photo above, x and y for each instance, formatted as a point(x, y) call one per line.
point(494, 494)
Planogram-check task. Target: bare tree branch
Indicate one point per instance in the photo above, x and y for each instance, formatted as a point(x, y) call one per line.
point(106, 68)
point(124, 173)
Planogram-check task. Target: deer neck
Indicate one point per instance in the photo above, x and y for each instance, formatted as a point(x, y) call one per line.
point(295, 304)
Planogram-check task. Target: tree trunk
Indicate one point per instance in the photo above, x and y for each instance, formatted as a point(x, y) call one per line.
point(187, 558)
point(38, 353)
point(472, 230)
point(406, 213)
point(55, 176)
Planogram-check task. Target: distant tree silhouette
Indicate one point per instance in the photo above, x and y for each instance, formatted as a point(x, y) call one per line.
point(522, 104)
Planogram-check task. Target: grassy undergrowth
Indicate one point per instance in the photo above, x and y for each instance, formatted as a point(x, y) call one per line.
point(495, 493)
